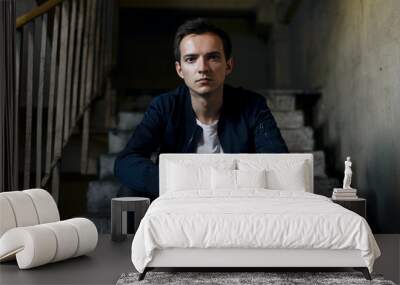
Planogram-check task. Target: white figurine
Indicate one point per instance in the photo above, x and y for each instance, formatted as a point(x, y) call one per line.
point(347, 174)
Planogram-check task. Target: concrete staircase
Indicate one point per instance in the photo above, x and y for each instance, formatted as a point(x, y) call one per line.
point(291, 121)
point(107, 186)
point(298, 136)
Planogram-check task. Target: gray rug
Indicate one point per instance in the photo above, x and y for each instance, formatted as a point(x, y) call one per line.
point(243, 278)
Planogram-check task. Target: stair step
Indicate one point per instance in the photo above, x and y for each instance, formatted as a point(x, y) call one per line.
point(117, 139)
point(71, 159)
point(324, 186)
point(100, 193)
point(289, 120)
point(138, 103)
point(106, 167)
point(282, 103)
point(299, 140)
point(278, 100)
point(129, 120)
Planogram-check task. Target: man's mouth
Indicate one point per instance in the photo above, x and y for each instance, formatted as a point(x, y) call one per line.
point(203, 80)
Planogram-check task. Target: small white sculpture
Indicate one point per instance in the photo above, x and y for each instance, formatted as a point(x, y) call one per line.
point(347, 174)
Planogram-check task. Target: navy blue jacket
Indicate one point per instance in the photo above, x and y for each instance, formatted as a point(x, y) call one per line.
point(245, 125)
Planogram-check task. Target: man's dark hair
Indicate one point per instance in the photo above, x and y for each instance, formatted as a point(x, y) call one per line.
point(201, 26)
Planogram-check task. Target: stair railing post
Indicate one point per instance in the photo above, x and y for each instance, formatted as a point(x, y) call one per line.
point(78, 66)
point(8, 100)
point(52, 92)
point(84, 75)
point(7, 12)
point(15, 109)
point(68, 95)
point(39, 122)
point(96, 50)
point(88, 90)
point(29, 102)
point(62, 70)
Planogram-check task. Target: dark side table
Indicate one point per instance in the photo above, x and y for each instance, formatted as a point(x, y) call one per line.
point(358, 205)
point(119, 207)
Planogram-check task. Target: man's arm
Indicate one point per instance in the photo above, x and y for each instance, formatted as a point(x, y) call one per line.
point(267, 136)
point(133, 166)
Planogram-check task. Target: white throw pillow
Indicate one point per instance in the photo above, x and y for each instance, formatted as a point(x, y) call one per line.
point(281, 174)
point(187, 178)
point(188, 175)
point(251, 178)
point(223, 179)
point(236, 179)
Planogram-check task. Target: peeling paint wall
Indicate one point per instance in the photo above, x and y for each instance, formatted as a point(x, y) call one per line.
point(351, 50)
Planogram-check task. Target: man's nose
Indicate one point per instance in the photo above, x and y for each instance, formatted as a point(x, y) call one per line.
point(203, 65)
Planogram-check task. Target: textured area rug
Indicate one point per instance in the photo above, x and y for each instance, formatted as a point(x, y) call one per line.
point(244, 278)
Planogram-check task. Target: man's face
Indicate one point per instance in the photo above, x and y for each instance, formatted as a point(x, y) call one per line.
point(203, 65)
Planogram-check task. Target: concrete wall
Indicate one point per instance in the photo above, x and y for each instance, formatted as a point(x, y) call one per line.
point(351, 50)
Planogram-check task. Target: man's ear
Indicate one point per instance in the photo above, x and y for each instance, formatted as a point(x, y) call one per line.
point(178, 69)
point(229, 66)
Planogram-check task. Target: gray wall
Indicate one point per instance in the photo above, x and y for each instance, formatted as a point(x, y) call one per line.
point(351, 50)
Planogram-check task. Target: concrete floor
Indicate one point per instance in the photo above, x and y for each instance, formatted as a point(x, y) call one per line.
point(388, 263)
point(111, 259)
point(103, 266)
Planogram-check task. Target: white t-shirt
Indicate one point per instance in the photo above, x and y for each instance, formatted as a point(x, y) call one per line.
point(209, 142)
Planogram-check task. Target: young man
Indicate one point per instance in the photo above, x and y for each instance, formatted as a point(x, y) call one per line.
point(202, 116)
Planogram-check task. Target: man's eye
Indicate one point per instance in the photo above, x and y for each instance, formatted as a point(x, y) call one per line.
point(190, 59)
point(214, 57)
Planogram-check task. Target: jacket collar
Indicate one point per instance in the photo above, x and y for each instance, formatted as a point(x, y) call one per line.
point(193, 131)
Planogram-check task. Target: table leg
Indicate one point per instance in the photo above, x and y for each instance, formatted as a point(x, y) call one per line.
point(116, 222)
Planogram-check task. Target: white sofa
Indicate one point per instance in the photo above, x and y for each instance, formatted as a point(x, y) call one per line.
point(31, 231)
point(167, 236)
